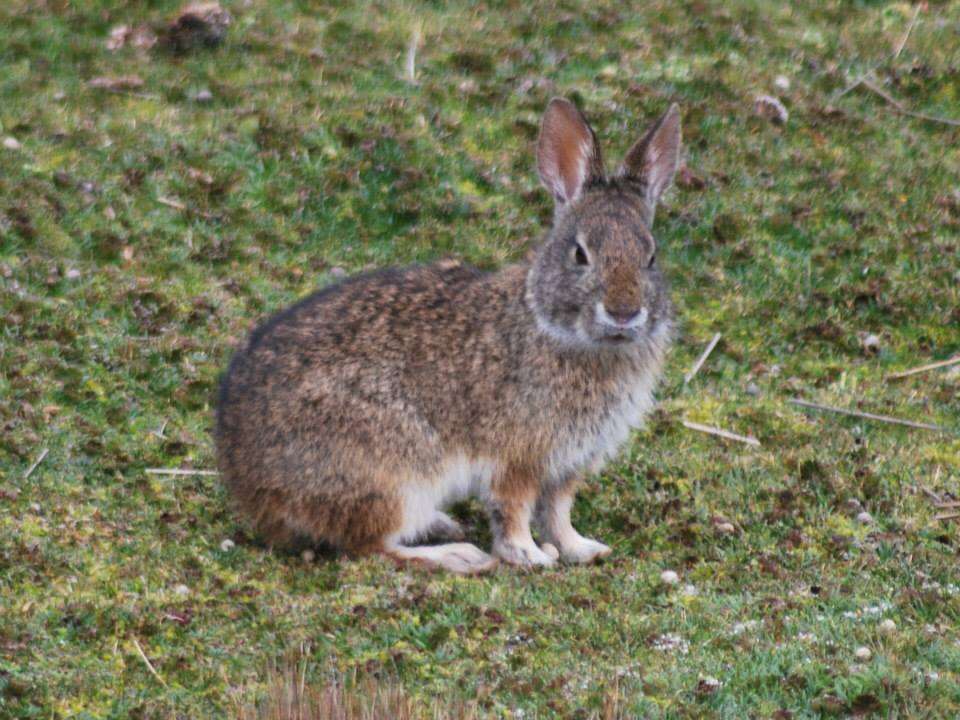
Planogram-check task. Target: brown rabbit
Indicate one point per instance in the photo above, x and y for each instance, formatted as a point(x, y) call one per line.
point(355, 416)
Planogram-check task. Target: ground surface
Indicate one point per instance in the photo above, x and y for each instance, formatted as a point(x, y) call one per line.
point(142, 230)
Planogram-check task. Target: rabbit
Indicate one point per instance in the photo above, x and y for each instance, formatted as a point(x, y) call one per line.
point(355, 417)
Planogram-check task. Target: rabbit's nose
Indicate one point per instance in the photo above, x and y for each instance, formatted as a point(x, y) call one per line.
point(623, 316)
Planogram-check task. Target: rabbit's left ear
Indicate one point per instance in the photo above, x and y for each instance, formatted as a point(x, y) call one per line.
point(568, 156)
point(653, 160)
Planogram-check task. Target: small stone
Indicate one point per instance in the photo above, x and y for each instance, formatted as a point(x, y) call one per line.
point(870, 343)
point(203, 96)
point(887, 627)
point(863, 654)
point(669, 577)
point(770, 108)
point(181, 590)
point(227, 545)
point(308, 556)
point(11, 143)
point(781, 83)
point(708, 685)
point(72, 274)
point(725, 528)
point(752, 389)
point(864, 518)
point(551, 550)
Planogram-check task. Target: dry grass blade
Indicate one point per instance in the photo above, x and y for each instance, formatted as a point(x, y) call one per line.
point(867, 415)
point(179, 471)
point(410, 65)
point(291, 698)
point(36, 464)
point(924, 368)
point(702, 359)
point(710, 430)
point(944, 517)
point(146, 661)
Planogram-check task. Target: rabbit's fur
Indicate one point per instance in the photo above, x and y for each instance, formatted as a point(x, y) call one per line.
point(353, 417)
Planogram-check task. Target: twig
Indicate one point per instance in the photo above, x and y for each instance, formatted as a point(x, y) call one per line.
point(179, 471)
point(36, 462)
point(749, 440)
point(949, 504)
point(702, 359)
point(896, 53)
point(868, 416)
point(177, 205)
point(169, 202)
point(924, 368)
point(411, 62)
point(931, 494)
point(898, 106)
point(146, 660)
point(947, 516)
point(131, 93)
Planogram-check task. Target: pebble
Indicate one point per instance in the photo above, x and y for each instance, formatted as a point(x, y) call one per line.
point(227, 545)
point(11, 143)
point(726, 528)
point(864, 518)
point(181, 590)
point(752, 389)
point(887, 627)
point(308, 556)
point(863, 653)
point(781, 83)
point(669, 577)
point(870, 342)
point(770, 108)
point(203, 96)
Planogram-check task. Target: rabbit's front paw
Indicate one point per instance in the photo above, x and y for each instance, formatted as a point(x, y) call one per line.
point(583, 550)
point(524, 555)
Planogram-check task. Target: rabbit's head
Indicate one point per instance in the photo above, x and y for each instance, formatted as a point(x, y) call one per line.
point(595, 281)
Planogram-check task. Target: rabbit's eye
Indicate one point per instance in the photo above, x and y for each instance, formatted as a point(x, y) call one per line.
point(653, 259)
point(580, 255)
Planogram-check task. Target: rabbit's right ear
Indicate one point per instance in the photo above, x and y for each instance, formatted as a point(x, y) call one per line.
point(567, 152)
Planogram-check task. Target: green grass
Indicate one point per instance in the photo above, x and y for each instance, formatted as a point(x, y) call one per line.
point(119, 312)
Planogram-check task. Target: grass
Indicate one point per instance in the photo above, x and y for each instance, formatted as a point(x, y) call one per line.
point(313, 156)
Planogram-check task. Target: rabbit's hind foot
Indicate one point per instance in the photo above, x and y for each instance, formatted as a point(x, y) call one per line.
point(460, 558)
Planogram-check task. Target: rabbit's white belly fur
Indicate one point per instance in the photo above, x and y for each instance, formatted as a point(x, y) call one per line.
point(460, 477)
point(597, 439)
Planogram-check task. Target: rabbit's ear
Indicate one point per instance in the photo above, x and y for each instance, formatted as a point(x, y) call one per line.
point(567, 152)
point(654, 158)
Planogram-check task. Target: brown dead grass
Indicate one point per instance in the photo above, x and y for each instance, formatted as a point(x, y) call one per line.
point(290, 697)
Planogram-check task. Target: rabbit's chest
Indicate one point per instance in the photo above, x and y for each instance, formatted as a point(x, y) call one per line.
point(598, 432)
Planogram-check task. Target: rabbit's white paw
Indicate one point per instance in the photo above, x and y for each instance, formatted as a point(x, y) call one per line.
point(524, 555)
point(583, 550)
